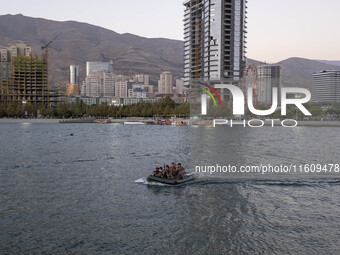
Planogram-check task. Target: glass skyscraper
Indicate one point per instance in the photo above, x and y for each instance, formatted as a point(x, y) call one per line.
point(98, 66)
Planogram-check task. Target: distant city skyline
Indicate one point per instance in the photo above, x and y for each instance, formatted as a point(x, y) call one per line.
point(276, 29)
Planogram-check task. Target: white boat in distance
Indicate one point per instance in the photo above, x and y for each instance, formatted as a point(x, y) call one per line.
point(133, 123)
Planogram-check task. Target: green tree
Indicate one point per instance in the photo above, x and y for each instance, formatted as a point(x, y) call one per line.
point(316, 111)
point(10, 110)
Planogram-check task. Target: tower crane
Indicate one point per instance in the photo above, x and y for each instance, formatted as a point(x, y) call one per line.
point(47, 44)
point(45, 62)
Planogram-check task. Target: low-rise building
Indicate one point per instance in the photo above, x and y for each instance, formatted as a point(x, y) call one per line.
point(90, 100)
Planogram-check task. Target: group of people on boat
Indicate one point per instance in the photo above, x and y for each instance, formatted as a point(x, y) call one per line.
point(174, 171)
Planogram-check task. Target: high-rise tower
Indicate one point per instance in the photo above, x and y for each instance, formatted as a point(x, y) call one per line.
point(214, 40)
point(165, 83)
point(74, 75)
point(23, 76)
point(268, 77)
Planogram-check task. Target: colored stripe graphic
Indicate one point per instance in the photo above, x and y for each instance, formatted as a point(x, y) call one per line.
point(208, 92)
point(218, 96)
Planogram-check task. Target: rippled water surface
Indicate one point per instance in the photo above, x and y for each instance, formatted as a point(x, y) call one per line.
point(86, 193)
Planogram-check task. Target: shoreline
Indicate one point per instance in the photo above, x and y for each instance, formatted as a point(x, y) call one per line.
point(29, 121)
point(121, 121)
point(318, 123)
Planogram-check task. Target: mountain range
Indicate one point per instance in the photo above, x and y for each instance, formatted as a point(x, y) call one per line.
point(297, 72)
point(330, 62)
point(81, 42)
point(131, 54)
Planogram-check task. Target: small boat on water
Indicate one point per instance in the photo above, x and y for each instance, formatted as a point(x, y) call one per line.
point(187, 178)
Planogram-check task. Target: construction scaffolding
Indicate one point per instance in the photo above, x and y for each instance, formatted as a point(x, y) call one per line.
point(26, 79)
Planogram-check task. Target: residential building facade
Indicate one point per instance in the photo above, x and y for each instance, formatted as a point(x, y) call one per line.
point(99, 84)
point(165, 84)
point(179, 86)
point(121, 89)
point(268, 77)
point(214, 41)
point(326, 86)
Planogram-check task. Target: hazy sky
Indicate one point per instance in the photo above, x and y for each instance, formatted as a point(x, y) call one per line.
point(277, 29)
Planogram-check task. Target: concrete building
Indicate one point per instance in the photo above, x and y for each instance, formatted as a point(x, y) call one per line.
point(99, 84)
point(165, 83)
point(138, 91)
point(121, 89)
point(179, 98)
point(83, 88)
point(149, 90)
point(142, 78)
point(90, 100)
point(121, 77)
point(108, 100)
point(179, 86)
point(130, 101)
point(73, 99)
point(268, 77)
point(214, 40)
point(92, 85)
point(326, 86)
point(108, 87)
point(23, 77)
point(98, 66)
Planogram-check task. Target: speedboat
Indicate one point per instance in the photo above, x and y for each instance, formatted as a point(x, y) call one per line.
point(187, 178)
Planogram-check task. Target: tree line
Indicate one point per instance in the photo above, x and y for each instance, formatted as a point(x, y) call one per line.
point(164, 107)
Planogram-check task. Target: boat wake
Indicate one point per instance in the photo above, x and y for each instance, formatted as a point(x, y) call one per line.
point(187, 180)
point(145, 182)
point(203, 179)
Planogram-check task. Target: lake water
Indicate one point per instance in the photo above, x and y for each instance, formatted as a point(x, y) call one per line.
point(81, 189)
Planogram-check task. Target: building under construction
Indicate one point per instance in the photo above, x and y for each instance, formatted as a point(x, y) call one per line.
point(23, 76)
point(214, 41)
point(214, 49)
